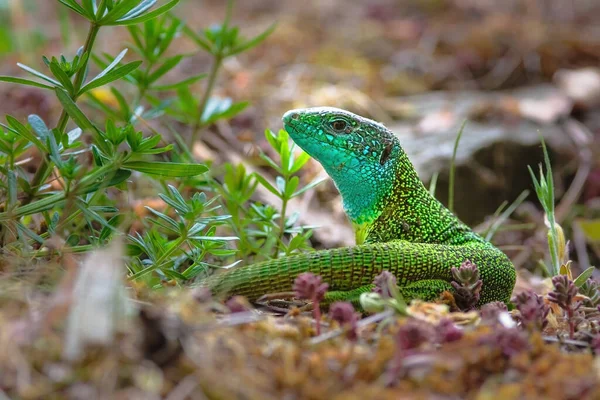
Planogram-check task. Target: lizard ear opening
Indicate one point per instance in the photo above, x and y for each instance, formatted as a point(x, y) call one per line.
point(385, 154)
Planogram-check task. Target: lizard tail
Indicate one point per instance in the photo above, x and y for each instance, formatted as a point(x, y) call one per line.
point(347, 268)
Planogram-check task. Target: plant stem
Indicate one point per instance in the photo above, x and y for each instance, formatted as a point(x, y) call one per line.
point(44, 167)
point(317, 314)
point(281, 226)
point(212, 77)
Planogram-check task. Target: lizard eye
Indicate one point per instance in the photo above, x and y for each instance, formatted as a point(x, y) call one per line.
point(339, 125)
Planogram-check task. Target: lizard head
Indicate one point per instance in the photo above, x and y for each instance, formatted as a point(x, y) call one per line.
point(359, 154)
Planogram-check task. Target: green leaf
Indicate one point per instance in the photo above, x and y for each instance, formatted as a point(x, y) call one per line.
point(147, 16)
point(252, 42)
point(88, 5)
point(22, 81)
point(140, 8)
point(62, 77)
point(196, 38)
point(74, 112)
point(73, 5)
point(580, 280)
point(291, 186)
point(170, 169)
point(118, 11)
point(217, 108)
point(38, 74)
point(112, 223)
point(39, 126)
point(177, 85)
point(112, 76)
point(21, 130)
point(164, 68)
point(111, 66)
point(311, 185)
point(267, 184)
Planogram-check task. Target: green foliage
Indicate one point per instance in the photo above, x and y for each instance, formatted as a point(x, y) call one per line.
point(544, 188)
point(263, 230)
point(91, 159)
point(179, 243)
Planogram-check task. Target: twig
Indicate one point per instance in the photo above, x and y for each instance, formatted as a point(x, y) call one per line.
point(554, 339)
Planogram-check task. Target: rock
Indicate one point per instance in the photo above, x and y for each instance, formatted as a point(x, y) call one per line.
point(581, 85)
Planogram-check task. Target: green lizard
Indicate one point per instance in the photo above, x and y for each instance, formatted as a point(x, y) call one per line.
point(399, 226)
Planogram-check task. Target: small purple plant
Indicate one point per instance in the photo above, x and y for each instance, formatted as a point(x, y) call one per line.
point(412, 334)
point(467, 285)
point(237, 304)
point(533, 310)
point(447, 331)
point(510, 341)
point(382, 284)
point(343, 312)
point(564, 296)
point(308, 286)
point(490, 312)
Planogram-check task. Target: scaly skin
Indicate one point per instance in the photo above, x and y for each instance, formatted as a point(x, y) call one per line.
point(399, 226)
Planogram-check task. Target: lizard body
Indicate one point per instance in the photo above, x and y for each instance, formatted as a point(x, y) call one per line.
point(399, 226)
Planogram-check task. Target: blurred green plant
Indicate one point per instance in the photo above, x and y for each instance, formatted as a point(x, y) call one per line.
point(263, 230)
point(67, 195)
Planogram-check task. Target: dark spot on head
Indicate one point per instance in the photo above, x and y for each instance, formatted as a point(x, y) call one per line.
point(385, 154)
point(295, 116)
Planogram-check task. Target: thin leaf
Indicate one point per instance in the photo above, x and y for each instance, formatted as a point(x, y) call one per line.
point(112, 76)
point(140, 8)
point(164, 68)
point(580, 280)
point(196, 38)
point(73, 5)
point(21, 130)
point(253, 42)
point(267, 184)
point(38, 74)
point(311, 185)
point(170, 169)
point(62, 77)
point(111, 66)
point(148, 16)
point(177, 85)
point(22, 81)
point(74, 112)
point(118, 11)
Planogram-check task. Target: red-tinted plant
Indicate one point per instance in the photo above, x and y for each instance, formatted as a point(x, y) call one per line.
point(309, 286)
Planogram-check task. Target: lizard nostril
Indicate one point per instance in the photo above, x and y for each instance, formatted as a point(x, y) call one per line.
point(291, 116)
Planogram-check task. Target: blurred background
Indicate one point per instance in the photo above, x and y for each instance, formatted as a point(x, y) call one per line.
point(514, 69)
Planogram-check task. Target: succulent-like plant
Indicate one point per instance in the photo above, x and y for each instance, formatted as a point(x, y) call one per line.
point(489, 312)
point(564, 296)
point(343, 312)
point(467, 285)
point(383, 282)
point(413, 333)
point(308, 286)
point(509, 340)
point(533, 310)
point(447, 331)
